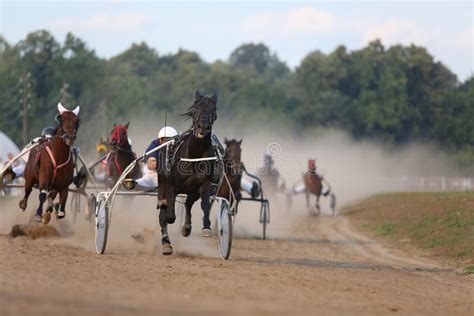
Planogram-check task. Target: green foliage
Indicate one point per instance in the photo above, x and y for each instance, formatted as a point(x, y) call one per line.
point(395, 94)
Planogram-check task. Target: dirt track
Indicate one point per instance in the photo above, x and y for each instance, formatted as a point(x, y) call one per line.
point(325, 268)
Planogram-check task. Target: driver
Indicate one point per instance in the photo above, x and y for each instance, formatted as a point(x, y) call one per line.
point(17, 170)
point(149, 180)
point(271, 178)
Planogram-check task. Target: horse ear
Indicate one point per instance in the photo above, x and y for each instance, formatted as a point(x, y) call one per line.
point(198, 95)
point(214, 97)
point(127, 125)
point(226, 141)
point(240, 141)
point(61, 108)
point(76, 110)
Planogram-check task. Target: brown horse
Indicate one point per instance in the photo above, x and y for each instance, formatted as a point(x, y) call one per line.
point(232, 169)
point(313, 184)
point(50, 166)
point(120, 155)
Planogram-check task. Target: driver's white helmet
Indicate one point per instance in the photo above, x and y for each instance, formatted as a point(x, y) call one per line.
point(167, 132)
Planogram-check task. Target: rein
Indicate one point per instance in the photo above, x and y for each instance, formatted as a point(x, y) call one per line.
point(116, 163)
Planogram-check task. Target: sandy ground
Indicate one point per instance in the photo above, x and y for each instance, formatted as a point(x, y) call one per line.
point(316, 265)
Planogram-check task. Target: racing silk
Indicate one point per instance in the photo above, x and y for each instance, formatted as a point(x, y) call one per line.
point(155, 143)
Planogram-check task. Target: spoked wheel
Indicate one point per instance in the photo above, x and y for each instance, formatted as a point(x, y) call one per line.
point(91, 205)
point(224, 228)
point(75, 205)
point(288, 200)
point(264, 218)
point(333, 204)
point(101, 225)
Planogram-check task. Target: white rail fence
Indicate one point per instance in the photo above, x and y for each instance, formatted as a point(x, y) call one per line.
point(430, 183)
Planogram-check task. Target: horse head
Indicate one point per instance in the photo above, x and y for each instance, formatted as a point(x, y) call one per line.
point(233, 154)
point(311, 165)
point(68, 123)
point(203, 114)
point(119, 137)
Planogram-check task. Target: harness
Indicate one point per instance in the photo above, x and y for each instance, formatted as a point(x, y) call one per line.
point(55, 165)
point(45, 145)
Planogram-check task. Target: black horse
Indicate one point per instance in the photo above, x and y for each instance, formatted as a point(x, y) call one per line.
point(197, 179)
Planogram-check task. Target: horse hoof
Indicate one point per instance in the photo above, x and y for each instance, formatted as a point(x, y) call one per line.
point(186, 230)
point(37, 218)
point(60, 214)
point(206, 232)
point(46, 218)
point(22, 205)
point(166, 249)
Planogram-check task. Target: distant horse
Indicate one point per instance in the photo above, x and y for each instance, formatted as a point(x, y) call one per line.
point(271, 178)
point(120, 155)
point(233, 169)
point(196, 179)
point(50, 166)
point(313, 184)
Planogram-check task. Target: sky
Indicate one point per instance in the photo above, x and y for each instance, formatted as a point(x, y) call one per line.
point(214, 29)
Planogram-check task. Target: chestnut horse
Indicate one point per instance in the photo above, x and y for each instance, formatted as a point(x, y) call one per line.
point(313, 184)
point(120, 155)
point(50, 166)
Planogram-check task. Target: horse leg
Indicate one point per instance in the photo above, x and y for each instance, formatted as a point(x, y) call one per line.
point(46, 218)
point(318, 208)
point(39, 212)
point(206, 208)
point(28, 188)
point(307, 198)
point(166, 248)
point(62, 202)
point(190, 199)
point(51, 197)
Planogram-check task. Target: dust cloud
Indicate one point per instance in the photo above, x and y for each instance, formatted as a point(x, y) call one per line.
point(355, 169)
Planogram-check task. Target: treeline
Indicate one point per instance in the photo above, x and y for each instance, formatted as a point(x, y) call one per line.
point(396, 94)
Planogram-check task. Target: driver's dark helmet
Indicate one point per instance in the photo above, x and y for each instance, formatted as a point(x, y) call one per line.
point(48, 132)
point(268, 160)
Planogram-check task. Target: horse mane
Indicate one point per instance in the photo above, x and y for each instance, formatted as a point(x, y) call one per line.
point(190, 111)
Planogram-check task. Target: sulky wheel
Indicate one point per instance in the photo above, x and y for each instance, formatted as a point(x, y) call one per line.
point(264, 218)
point(91, 205)
point(224, 228)
point(101, 225)
point(333, 204)
point(75, 205)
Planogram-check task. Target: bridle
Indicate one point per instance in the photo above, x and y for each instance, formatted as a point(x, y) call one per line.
point(192, 112)
point(64, 135)
point(116, 136)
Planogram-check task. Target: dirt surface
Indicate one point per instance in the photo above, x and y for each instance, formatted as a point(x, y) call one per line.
point(321, 266)
point(441, 225)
